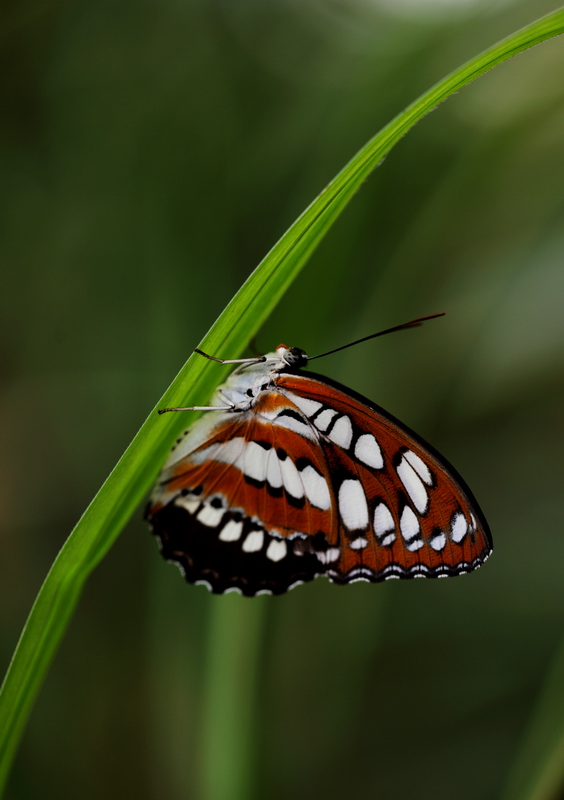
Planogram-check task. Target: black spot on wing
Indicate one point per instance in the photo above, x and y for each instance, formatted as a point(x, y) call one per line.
point(319, 542)
point(303, 462)
point(297, 502)
point(253, 482)
point(289, 412)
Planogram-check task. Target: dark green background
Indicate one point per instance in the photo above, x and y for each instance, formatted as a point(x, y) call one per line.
point(151, 153)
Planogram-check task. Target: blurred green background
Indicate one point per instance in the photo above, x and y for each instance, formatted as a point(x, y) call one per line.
point(151, 153)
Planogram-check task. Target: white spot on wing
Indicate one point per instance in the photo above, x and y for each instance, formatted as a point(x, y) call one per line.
point(359, 544)
point(253, 542)
point(295, 425)
point(438, 541)
point(352, 504)
point(342, 432)
point(254, 461)
point(409, 526)
point(419, 466)
point(368, 451)
point(316, 488)
point(323, 421)
point(190, 502)
point(276, 550)
point(458, 527)
point(210, 516)
point(383, 520)
point(231, 532)
point(327, 556)
point(273, 473)
point(413, 486)
point(306, 406)
point(291, 478)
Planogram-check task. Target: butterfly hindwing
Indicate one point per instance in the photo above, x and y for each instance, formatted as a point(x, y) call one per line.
point(250, 508)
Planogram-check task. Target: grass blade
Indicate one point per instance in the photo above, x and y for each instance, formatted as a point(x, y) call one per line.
point(128, 483)
point(232, 677)
point(538, 772)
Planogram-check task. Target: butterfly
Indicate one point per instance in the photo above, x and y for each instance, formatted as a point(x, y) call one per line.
point(290, 475)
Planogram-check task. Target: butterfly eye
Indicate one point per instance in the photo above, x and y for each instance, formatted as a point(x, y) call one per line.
point(295, 357)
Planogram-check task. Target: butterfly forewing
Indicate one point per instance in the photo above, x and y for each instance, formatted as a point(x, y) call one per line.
point(308, 478)
point(403, 510)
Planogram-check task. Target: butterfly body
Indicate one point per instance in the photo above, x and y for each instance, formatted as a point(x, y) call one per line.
point(297, 476)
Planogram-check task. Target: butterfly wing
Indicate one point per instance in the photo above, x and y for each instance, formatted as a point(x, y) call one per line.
point(403, 511)
point(244, 502)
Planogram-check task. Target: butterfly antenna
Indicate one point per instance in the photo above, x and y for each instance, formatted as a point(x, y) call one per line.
point(415, 323)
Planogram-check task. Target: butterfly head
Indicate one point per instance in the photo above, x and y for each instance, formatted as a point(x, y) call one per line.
point(292, 356)
point(254, 376)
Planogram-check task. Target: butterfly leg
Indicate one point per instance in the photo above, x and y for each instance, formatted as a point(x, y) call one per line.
point(198, 408)
point(258, 360)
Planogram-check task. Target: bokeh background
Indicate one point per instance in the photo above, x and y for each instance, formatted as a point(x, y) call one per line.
point(151, 153)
